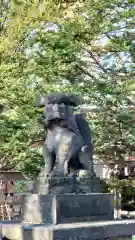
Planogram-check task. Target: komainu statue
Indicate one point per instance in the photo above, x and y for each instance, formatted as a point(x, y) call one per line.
point(68, 147)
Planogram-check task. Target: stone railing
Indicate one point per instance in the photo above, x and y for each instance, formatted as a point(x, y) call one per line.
point(13, 187)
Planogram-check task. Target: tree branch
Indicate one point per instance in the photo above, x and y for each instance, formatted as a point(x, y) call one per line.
point(96, 61)
point(85, 72)
point(5, 18)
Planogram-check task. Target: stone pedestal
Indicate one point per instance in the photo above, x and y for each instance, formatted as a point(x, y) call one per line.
point(65, 185)
point(67, 208)
point(66, 201)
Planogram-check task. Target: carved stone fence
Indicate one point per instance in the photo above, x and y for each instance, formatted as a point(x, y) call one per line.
point(13, 187)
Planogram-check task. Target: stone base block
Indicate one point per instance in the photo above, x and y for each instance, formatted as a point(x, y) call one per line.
point(110, 230)
point(67, 208)
point(64, 185)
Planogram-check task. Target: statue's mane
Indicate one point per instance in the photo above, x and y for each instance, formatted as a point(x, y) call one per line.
point(58, 98)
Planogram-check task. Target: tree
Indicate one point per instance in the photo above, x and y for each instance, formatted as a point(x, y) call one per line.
point(60, 49)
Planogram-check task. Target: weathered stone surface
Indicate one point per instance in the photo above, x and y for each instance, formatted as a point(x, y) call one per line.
point(54, 185)
point(38, 209)
point(77, 231)
point(120, 238)
point(122, 228)
point(87, 185)
point(41, 233)
point(12, 231)
point(55, 209)
point(80, 208)
point(63, 185)
point(80, 233)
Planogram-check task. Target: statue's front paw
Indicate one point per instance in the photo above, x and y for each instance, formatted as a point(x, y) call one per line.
point(85, 174)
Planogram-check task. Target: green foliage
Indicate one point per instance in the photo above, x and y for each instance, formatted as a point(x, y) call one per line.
point(43, 43)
